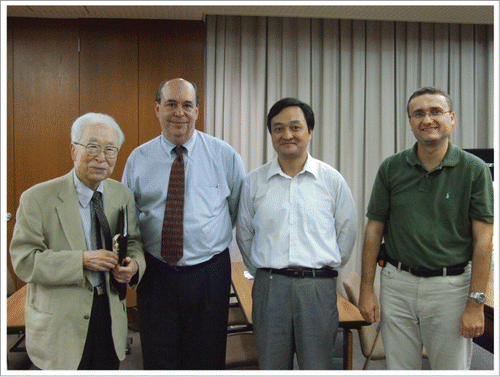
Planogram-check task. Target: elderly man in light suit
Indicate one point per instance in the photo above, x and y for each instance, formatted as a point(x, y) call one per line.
point(74, 317)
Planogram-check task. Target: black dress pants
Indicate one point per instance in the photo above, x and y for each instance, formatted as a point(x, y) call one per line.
point(183, 314)
point(99, 351)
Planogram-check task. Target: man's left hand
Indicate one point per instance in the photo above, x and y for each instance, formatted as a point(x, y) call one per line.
point(472, 321)
point(123, 274)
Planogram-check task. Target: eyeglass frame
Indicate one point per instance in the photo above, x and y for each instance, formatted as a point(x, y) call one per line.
point(429, 113)
point(100, 150)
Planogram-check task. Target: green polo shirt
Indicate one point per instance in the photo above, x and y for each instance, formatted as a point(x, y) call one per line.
point(428, 214)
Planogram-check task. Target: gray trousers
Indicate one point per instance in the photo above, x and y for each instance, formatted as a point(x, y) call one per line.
point(294, 315)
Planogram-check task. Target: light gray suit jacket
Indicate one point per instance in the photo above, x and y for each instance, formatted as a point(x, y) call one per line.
point(47, 253)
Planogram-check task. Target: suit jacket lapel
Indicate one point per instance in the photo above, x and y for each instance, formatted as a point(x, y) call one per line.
point(69, 217)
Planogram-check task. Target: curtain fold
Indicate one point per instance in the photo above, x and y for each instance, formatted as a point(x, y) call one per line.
point(356, 75)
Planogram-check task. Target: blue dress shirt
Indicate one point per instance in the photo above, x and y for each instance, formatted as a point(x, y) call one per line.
point(214, 175)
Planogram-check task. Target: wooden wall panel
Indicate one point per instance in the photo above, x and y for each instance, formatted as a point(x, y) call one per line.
point(45, 99)
point(14, 283)
point(109, 77)
point(168, 50)
point(42, 104)
point(60, 69)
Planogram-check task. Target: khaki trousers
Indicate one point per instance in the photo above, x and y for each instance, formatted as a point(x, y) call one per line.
point(419, 311)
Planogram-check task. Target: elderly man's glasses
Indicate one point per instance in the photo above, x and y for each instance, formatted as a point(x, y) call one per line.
point(433, 114)
point(93, 150)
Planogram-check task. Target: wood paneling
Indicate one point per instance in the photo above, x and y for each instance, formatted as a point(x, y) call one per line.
point(168, 50)
point(11, 203)
point(45, 99)
point(61, 69)
point(109, 77)
point(43, 102)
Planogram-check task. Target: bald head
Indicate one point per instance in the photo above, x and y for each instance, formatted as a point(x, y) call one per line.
point(160, 87)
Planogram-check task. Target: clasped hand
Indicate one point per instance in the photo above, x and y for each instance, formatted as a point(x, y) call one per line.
point(105, 260)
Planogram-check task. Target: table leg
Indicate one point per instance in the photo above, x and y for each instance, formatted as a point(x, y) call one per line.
point(347, 349)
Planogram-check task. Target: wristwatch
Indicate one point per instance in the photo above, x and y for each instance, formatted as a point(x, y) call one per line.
point(478, 296)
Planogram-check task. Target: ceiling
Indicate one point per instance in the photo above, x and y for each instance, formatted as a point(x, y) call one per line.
point(468, 14)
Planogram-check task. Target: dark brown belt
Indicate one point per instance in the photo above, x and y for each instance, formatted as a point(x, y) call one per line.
point(457, 269)
point(302, 272)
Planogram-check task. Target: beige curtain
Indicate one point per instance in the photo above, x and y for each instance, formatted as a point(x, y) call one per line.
point(356, 75)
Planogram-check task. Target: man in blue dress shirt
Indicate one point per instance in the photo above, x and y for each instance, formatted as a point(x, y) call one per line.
point(183, 308)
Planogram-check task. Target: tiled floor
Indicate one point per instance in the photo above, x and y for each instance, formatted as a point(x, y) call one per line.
point(482, 359)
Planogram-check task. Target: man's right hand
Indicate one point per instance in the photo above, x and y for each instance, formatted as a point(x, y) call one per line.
point(368, 305)
point(99, 260)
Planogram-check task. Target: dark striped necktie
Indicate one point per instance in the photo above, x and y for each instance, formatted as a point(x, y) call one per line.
point(173, 228)
point(101, 223)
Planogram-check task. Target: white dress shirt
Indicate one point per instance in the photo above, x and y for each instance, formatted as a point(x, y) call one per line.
point(309, 220)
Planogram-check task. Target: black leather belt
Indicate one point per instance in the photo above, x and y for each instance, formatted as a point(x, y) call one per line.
point(301, 272)
point(165, 267)
point(457, 269)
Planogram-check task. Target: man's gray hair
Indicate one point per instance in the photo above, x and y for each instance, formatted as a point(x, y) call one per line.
point(88, 119)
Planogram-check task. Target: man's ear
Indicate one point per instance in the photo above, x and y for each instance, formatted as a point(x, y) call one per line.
point(73, 151)
point(454, 121)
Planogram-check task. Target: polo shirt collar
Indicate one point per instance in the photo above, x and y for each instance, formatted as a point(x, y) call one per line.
point(311, 166)
point(451, 158)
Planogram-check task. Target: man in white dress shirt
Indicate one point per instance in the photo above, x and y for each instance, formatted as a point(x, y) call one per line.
point(296, 227)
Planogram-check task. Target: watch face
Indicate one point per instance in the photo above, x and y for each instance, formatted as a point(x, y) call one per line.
point(481, 298)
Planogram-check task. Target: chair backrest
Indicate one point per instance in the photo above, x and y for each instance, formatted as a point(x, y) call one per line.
point(367, 334)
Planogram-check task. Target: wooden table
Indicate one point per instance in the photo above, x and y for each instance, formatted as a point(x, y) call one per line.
point(16, 316)
point(349, 316)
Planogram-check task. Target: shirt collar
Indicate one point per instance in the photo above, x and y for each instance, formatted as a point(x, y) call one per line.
point(311, 166)
point(451, 157)
point(189, 145)
point(84, 193)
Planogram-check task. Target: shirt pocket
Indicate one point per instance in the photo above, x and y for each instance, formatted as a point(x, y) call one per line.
point(206, 200)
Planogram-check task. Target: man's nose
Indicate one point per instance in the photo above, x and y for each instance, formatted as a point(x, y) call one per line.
point(179, 110)
point(427, 118)
point(100, 156)
point(287, 134)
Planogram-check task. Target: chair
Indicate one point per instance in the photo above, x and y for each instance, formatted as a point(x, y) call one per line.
point(241, 352)
point(236, 318)
point(367, 334)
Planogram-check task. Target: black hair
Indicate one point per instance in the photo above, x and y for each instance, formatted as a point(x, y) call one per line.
point(287, 102)
point(427, 90)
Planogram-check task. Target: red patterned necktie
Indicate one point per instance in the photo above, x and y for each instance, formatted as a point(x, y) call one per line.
point(173, 229)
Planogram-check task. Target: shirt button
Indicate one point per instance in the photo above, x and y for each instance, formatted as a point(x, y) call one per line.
point(86, 316)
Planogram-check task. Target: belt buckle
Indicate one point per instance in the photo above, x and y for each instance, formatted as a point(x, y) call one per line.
point(295, 272)
point(414, 271)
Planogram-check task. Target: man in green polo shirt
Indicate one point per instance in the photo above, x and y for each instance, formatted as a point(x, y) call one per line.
point(433, 207)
